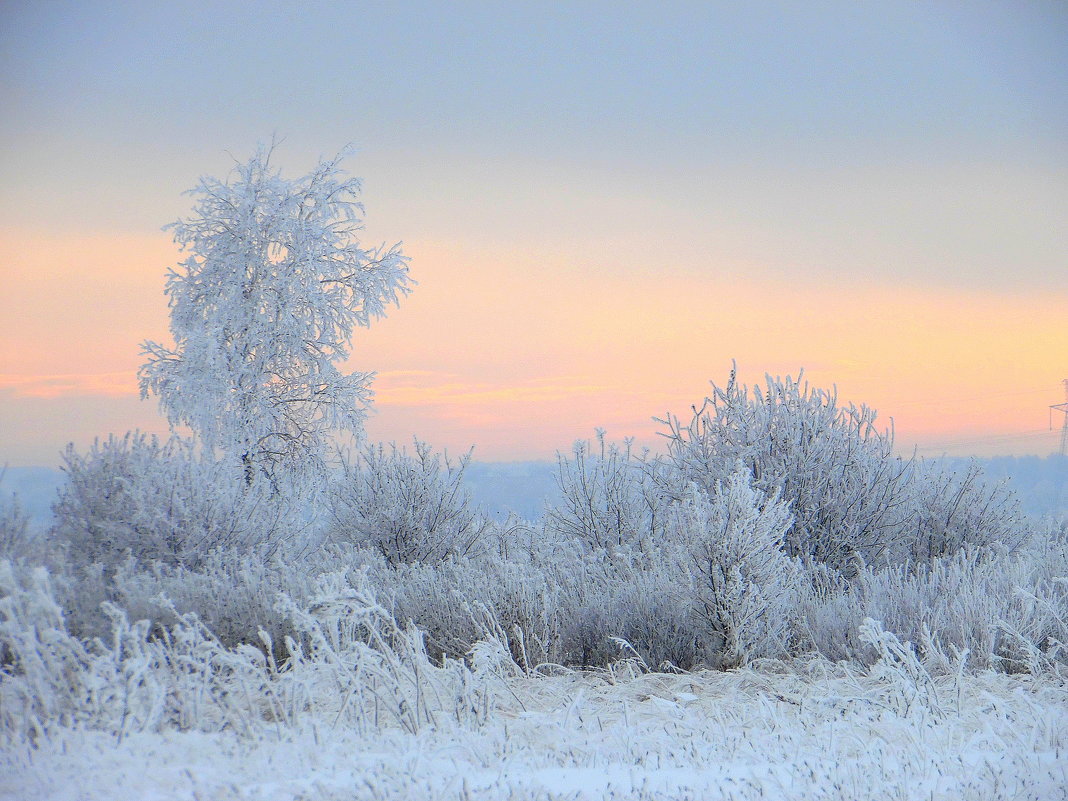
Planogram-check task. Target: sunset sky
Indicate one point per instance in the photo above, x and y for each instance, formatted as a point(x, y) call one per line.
point(604, 204)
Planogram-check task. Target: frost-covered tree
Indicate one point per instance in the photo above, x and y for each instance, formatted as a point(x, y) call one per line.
point(262, 311)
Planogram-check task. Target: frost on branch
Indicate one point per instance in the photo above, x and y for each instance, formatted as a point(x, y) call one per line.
point(262, 311)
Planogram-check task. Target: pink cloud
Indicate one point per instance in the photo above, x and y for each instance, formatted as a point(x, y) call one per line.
point(112, 385)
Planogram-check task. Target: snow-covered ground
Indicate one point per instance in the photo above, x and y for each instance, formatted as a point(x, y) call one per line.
point(807, 731)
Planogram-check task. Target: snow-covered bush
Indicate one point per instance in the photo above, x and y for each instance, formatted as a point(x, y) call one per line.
point(854, 502)
point(656, 611)
point(748, 588)
point(163, 501)
point(910, 686)
point(960, 509)
point(848, 493)
point(348, 661)
point(608, 501)
point(14, 525)
point(233, 594)
point(356, 663)
point(460, 601)
point(411, 507)
point(1008, 610)
point(50, 678)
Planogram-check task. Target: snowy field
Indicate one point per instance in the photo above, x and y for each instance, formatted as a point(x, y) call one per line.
point(810, 732)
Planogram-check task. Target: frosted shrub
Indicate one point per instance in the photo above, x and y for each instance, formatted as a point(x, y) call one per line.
point(748, 589)
point(911, 685)
point(162, 501)
point(656, 611)
point(955, 510)
point(607, 500)
point(460, 600)
point(44, 678)
point(359, 666)
point(347, 661)
point(234, 595)
point(647, 598)
point(853, 501)
point(1008, 610)
point(125, 680)
point(848, 493)
point(555, 605)
point(14, 525)
point(412, 508)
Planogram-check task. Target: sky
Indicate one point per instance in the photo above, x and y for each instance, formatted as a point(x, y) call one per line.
point(605, 205)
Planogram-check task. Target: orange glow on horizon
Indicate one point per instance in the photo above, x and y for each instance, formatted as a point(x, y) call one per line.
point(523, 360)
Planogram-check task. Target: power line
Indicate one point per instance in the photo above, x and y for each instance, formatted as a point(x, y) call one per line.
point(1008, 437)
point(1041, 432)
point(1061, 407)
point(956, 401)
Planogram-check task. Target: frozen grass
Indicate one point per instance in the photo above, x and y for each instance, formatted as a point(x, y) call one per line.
point(809, 732)
point(359, 711)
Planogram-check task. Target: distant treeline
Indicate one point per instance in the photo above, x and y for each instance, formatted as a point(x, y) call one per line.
point(523, 488)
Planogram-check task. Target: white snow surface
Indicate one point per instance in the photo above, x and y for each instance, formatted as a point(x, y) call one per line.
point(807, 730)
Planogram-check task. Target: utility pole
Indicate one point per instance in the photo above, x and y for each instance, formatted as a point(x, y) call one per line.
point(1061, 407)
